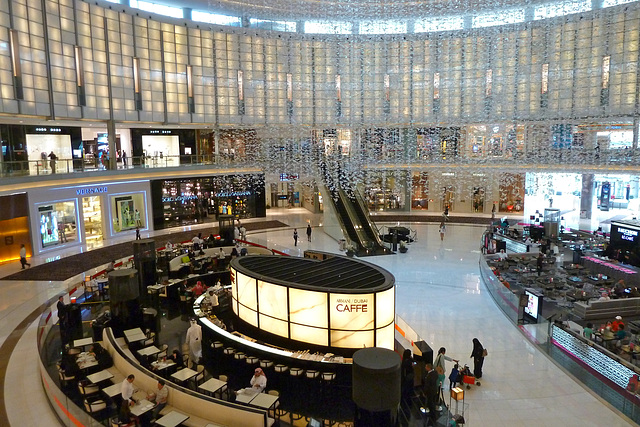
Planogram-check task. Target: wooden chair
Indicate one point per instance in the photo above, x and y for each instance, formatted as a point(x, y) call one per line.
point(225, 388)
point(86, 389)
point(95, 405)
point(199, 378)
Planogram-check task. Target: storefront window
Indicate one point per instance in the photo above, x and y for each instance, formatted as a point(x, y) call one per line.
point(511, 192)
point(57, 223)
point(128, 211)
point(385, 191)
point(494, 140)
point(197, 200)
point(420, 191)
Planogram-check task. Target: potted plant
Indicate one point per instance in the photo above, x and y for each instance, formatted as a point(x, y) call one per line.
point(403, 247)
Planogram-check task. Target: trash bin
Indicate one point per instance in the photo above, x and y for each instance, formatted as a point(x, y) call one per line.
point(342, 244)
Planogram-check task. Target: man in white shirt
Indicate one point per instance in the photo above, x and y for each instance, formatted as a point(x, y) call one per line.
point(126, 390)
point(221, 259)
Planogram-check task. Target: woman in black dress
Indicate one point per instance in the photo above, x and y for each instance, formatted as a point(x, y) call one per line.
point(478, 358)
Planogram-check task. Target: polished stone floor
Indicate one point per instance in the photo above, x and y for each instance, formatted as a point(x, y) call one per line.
point(438, 293)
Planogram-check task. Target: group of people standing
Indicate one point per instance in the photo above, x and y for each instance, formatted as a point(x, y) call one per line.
point(433, 377)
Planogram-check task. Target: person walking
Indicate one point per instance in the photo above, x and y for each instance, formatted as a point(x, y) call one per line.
point(445, 214)
point(194, 340)
point(442, 230)
point(539, 262)
point(295, 237)
point(52, 161)
point(309, 232)
point(23, 256)
point(478, 355)
point(138, 233)
point(124, 159)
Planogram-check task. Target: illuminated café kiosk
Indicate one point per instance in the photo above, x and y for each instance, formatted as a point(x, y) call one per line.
point(306, 313)
point(336, 305)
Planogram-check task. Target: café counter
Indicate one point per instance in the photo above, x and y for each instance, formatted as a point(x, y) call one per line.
point(250, 346)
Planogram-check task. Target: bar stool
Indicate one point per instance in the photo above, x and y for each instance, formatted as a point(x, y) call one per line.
point(296, 372)
point(326, 379)
point(281, 368)
point(216, 345)
point(264, 364)
point(252, 360)
point(229, 351)
point(311, 374)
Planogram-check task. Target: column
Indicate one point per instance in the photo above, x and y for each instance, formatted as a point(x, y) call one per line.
point(111, 132)
point(586, 196)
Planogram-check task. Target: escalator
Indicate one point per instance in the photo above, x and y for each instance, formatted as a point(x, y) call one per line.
point(356, 225)
point(351, 211)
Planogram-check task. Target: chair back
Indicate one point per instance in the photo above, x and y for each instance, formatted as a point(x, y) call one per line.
point(223, 378)
point(274, 392)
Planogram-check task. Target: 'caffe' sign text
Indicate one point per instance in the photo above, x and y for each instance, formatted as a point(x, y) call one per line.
point(352, 305)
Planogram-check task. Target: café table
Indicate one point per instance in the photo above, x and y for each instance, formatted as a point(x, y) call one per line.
point(135, 334)
point(163, 364)
point(172, 419)
point(149, 351)
point(264, 401)
point(100, 376)
point(113, 390)
point(245, 396)
point(83, 342)
point(86, 361)
point(141, 407)
point(212, 385)
point(184, 374)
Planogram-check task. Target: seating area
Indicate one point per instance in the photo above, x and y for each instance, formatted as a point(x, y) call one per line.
point(202, 410)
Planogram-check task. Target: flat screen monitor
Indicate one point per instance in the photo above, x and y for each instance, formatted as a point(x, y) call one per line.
point(624, 236)
point(534, 305)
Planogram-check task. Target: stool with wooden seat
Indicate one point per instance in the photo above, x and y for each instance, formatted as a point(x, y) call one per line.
point(326, 379)
point(251, 360)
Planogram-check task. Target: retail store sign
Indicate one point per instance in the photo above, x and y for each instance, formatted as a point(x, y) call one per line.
point(92, 190)
point(289, 176)
point(42, 129)
point(233, 193)
point(160, 132)
point(178, 199)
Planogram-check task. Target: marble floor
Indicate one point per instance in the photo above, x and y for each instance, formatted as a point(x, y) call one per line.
point(438, 293)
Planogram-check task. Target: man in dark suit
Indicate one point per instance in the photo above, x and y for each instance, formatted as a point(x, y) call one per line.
point(62, 317)
point(430, 392)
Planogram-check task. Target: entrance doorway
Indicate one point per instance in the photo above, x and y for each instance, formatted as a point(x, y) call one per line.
point(447, 198)
point(478, 199)
point(92, 213)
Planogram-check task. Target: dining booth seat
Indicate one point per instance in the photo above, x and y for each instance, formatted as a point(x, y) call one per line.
point(202, 410)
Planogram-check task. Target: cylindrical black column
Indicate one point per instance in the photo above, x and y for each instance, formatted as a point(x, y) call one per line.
point(144, 258)
point(124, 292)
point(376, 386)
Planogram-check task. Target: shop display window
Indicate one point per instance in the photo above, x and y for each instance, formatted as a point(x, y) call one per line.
point(511, 193)
point(57, 223)
point(128, 211)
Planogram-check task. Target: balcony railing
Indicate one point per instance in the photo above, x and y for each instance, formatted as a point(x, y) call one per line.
point(547, 159)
